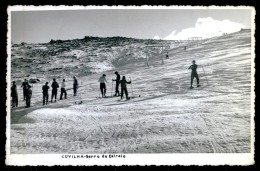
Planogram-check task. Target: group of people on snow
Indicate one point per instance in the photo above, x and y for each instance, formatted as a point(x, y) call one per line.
point(55, 87)
point(123, 83)
point(27, 92)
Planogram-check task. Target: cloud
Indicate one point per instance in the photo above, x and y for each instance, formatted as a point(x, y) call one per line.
point(205, 28)
point(156, 37)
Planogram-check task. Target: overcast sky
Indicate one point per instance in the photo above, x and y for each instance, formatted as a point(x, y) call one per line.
point(42, 26)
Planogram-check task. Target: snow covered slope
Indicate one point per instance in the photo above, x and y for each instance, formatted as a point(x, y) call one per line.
point(163, 116)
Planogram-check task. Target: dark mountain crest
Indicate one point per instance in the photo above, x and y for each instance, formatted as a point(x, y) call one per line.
point(106, 39)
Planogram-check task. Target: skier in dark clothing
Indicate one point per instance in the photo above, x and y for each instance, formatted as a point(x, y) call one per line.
point(123, 83)
point(117, 83)
point(55, 87)
point(63, 90)
point(24, 88)
point(194, 73)
point(167, 56)
point(75, 86)
point(14, 95)
point(28, 95)
point(45, 93)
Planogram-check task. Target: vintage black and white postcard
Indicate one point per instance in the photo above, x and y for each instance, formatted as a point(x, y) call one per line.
point(129, 85)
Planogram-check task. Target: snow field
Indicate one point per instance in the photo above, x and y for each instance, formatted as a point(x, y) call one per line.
point(167, 118)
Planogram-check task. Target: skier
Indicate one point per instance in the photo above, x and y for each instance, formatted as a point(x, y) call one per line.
point(75, 86)
point(194, 73)
point(167, 56)
point(24, 87)
point(117, 83)
point(28, 95)
point(123, 83)
point(45, 93)
point(14, 95)
point(63, 90)
point(103, 82)
point(55, 87)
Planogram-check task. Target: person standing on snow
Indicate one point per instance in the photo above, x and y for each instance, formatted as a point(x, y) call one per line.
point(55, 87)
point(117, 83)
point(63, 90)
point(28, 95)
point(24, 88)
point(194, 73)
point(167, 56)
point(75, 85)
point(14, 95)
point(123, 83)
point(45, 93)
point(103, 82)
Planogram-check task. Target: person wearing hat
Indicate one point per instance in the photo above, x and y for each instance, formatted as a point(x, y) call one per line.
point(103, 82)
point(123, 83)
point(55, 87)
point(28, 95)
point(117, 83)
point(75, 85)
point(45, 93)
point(14, 95)
point(194, 73)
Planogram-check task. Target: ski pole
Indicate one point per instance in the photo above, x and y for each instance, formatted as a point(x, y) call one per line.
point(112, 88)
point(205, 75)
point(131, 88)
point(74, 99)
point(80, 97)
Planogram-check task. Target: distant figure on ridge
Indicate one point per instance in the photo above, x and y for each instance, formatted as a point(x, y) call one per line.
point(55, 87)
point(117, 83)
point(75, 85)
point(103, 82)
point(167, 56)
point(123, 83)
point(63, 90)
point(194, 73)
point(14, 95)
point(45, 93)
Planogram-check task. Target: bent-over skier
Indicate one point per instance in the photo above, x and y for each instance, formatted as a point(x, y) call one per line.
point(194, 73)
